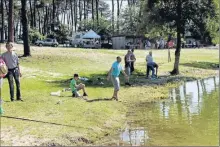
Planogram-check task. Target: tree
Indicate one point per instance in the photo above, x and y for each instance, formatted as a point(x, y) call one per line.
point(180, 13)
point(11, 21)
point(113, 17)
point(2, 22)
point(25, 28)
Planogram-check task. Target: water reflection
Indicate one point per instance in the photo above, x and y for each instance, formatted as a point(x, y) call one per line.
point(187, 110)
point(137, 136)
point(188, 96)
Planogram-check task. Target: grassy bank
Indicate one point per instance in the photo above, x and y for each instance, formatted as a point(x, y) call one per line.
point(66, 121)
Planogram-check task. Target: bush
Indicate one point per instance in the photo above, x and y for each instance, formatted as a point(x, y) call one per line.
point(60, 34)
point(34, 35)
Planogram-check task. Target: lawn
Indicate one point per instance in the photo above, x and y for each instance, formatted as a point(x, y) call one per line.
point(48, 120)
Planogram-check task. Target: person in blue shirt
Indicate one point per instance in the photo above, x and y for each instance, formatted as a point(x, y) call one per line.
point(114, 73)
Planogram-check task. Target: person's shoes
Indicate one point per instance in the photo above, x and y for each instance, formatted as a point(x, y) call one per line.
point(85, 94)
point(20, 100)
point(73, 95)
point(153, 76)
point(12, 100)
point(114, 98)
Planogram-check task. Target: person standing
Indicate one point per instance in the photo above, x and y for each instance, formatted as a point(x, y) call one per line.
point(114, 73)
point(11, 60)
point(128, 62)
point(133, 59)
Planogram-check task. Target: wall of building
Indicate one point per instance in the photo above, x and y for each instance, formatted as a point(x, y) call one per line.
point(118, 42)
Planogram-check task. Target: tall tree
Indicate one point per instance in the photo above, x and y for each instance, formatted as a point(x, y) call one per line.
point(34, 15)
point(11, 21)
point(25, 28)
point(118, 13)
point(72, 16)
point(31, 11)
point(179, 13)
point(97, 12)
point(2, 22)
point(75, 14)
point(93, 18)
point(53, 15)
point(113, 17)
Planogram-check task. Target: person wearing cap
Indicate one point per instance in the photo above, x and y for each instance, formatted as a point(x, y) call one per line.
point(75, 88)
point(114, 73)
point(11, 60)
point(151, 65)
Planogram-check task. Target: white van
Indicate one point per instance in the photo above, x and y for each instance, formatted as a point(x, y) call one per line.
point(77, 39)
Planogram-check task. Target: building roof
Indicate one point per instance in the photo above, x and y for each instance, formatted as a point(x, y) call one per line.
point(90, 35)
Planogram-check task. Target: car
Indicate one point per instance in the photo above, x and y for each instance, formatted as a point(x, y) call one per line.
point(106, 45)
point(47, 42)
point(19, 42)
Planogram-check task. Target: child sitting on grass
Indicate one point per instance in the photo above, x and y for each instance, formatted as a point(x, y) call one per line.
point(75, 88)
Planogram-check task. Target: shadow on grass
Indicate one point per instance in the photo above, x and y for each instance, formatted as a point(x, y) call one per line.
point(137, 79)
point(94, 80)
point(203, 65)
point(31, 120)
point(98, 100)
point(97, 80)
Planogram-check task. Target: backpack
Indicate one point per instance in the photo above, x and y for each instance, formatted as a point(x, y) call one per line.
point(3, 68)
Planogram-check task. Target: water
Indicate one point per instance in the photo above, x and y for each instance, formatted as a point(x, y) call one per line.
point(189, 117)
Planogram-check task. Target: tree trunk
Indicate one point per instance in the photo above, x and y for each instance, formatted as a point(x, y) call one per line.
point(75, 14)
point(45, 21)
point(68, 20)
point(121, 4)
point(32, 18)
point(92, 14)
point(80, 10)
point(11, 21)
point(16, 27)
point(53, 15)
point(3, 23)
point(25, 28)
point(39, 21)
point(118, 13)
point(20, 28)
point(84, 9)
point(35, 23)
point(72, 17)
point(113, 17)
point(178, 48)
point(97, 12)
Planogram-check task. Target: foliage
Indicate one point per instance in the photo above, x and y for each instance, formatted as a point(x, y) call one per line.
point(61, 34)
point(165, 11)
point(104, 24)
point(129, 20)
point(34, 35)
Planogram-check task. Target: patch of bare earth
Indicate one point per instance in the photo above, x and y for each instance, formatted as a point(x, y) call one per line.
point(11, 137)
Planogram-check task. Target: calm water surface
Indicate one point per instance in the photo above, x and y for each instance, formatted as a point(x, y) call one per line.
point(189, 117)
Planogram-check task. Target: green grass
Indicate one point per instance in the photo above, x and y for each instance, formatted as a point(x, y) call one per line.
point(49, 69)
